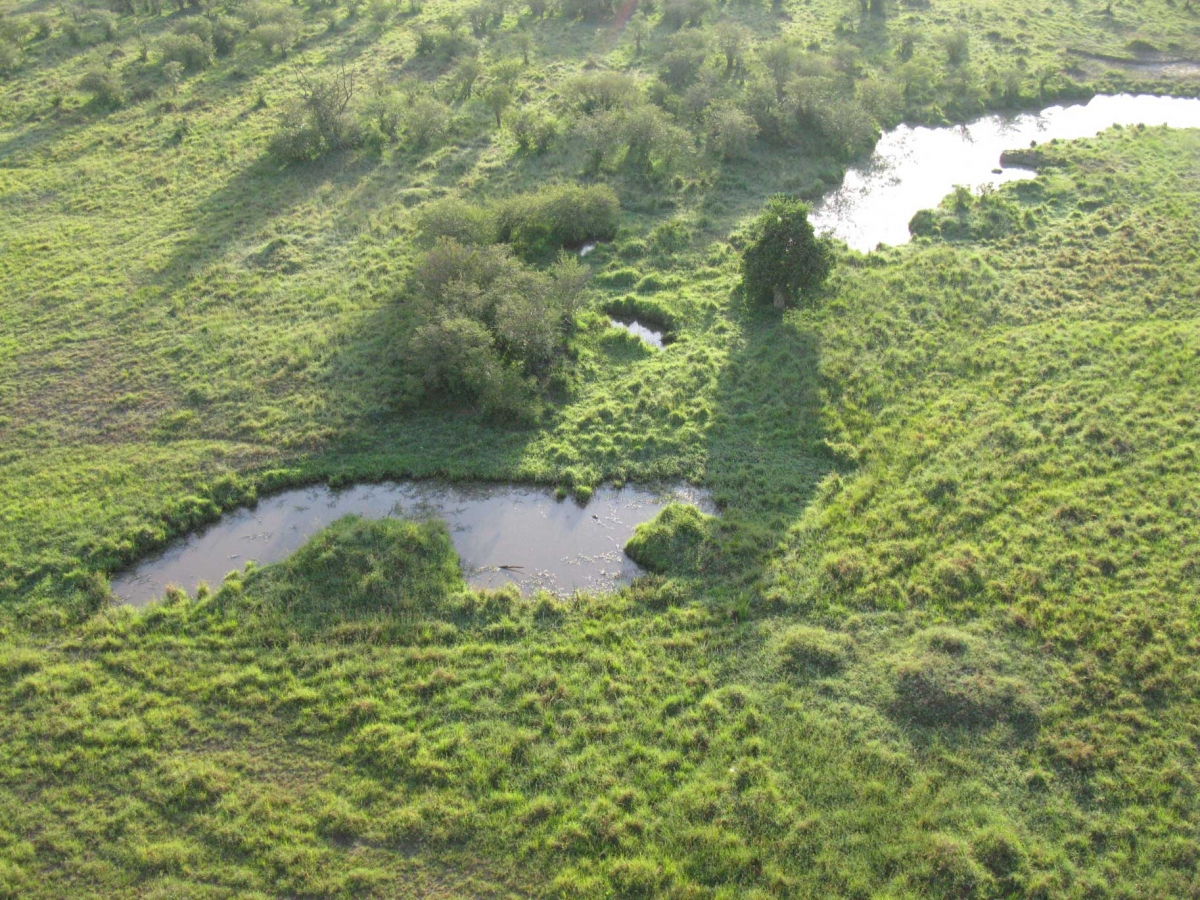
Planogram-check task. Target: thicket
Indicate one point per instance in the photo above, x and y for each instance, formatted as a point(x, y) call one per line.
point(537, 224)
point(489, 330)
point(331, 113)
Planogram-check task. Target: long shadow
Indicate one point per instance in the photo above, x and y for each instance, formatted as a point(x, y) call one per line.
point(766, 447)
point(245, 203)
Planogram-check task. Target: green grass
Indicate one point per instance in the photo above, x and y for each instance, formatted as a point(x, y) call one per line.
point(966, 669)
point(177, 304)
point(940, 641)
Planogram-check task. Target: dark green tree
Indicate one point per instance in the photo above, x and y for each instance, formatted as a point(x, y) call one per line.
point(785, 260)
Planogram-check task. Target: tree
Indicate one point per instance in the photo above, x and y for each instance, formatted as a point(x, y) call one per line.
point(785, 260)
point(327, 101)
point(730, 131)
point(639, 30)
point(523, 43)
point(497, 98)
point(173, 72)
point(466, 75)
point(733, 39)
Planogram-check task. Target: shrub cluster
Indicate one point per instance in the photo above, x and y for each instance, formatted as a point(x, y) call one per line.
point(10, 57)
point(331, 114)
point(490, 330)
point(536, 224)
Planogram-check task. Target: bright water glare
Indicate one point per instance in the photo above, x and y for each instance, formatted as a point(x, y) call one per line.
point(914, 168)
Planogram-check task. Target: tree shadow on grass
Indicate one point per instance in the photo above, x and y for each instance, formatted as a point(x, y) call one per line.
point(766, 447)
point(244, 204)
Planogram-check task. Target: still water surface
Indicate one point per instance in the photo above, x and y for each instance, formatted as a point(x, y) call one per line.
point(914, 168)
point(558, 545)
point(637, 329)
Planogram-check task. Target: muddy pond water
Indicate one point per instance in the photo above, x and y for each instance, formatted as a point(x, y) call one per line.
point(559, 545)
point(914, 168)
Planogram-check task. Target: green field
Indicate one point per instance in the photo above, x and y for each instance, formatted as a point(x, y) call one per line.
point(942, 640)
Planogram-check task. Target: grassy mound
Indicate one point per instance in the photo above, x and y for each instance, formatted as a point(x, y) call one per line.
point(361, 569)
point(673, 541)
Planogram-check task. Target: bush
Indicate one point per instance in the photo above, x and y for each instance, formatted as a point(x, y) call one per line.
point(456, 357)
point(536, 224)
point(195, 25)
point(731, 132)
point(226, 32)
point(383, 112)
point(587, 9)
point(452, 217)
point(559, 216)
point(678, 13)
point(186, 49)
point(685, 56)
point(957, 44)
point(594, 92)
point(104, 86)
point(296, 140)
point(10, 58)
point(533, 130)
point(274, 28)
point(445, 44)
point(319, 122)
point(42, 25)
point(13, 30)
point(426, 122)
point(785, 260)
point(654, 144)
point(816, 111)
point(492, 330)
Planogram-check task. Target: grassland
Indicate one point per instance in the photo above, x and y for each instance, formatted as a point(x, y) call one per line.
point(941, 642)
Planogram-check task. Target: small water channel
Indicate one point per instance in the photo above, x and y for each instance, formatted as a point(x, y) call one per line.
point(914, 168)
point(502, 534)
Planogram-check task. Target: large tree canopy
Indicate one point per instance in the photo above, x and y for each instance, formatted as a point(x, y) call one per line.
point(785, 260)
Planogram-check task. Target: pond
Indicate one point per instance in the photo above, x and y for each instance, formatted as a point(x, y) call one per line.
point(914, 168)
point(637, 329)
point(502, 533)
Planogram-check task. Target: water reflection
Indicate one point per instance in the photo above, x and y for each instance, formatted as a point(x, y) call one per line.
point(547, 543)
point(914, 168)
